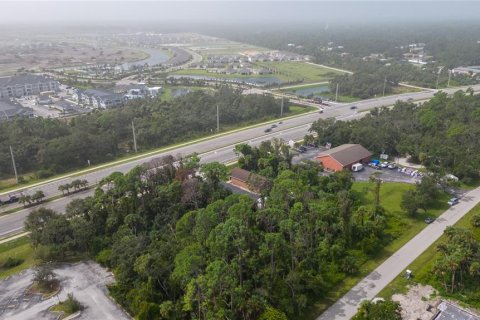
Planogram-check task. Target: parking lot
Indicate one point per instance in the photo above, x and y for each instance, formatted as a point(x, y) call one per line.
point(387, 175)
point(86, 280)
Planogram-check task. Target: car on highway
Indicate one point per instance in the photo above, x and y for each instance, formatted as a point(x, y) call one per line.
point(268, 130)
point(274, 125)
point(453, 201)
point(429, 220)
point(353, 107)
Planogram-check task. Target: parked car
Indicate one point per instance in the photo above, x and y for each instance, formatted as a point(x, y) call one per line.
point(384, 164)
point(392, 166)
point(302, 149)
point(429, 220)
point(453, 201)
point(268, 130)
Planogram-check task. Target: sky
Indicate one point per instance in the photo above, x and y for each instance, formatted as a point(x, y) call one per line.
point(17, 13)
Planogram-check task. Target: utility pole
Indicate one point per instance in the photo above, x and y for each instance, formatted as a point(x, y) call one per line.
point(134, 138)
point(281, 109)
point(384, 85)
point(336, 93)
point(438, 76)
point(14, 165)
point(218, 120)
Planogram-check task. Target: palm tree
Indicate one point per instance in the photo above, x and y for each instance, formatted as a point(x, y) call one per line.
point(62, 188)
point(24, 199)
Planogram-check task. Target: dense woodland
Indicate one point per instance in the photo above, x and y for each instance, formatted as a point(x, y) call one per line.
point(181, 247)
point(51, 146)
point(442, 133)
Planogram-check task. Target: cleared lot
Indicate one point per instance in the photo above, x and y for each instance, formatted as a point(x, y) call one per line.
point(86, 280)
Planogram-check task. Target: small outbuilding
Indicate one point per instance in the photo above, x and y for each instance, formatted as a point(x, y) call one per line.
point(343, 157)
point(247, 180)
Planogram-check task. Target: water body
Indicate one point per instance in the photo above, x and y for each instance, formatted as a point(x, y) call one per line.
point(312, 91)
point(256, 81)
point(157, 56)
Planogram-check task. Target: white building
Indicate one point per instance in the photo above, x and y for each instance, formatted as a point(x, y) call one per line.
point(26, 85)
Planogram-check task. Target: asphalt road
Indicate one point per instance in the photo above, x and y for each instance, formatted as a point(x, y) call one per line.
point(370, 286)
point(216, 149)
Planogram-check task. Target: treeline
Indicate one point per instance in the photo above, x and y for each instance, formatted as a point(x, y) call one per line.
point(441, 133)
point(181, 247)
point(49, 146)
point(361, 85)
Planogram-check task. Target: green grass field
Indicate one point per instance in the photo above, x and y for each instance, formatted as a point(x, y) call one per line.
point(294, 71)
point(423, 265)
point(19, 249)
point(401, 228)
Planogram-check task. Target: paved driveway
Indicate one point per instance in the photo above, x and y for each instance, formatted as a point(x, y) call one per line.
point(370, 286)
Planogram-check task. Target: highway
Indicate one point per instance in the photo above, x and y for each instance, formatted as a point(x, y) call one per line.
point(216, 149)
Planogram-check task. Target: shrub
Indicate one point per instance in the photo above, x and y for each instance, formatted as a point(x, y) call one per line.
point(12, 262)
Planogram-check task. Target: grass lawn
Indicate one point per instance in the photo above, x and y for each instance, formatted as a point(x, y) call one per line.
point(20, 249)
point(423, 265)
point(401, 228)
point(202, 72)
point(293, 71)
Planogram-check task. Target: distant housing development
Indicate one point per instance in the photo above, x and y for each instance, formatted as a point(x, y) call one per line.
point(25, 85)
point(469, 71)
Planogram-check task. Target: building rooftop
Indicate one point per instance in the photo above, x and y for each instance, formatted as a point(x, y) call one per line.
point(23, 79)
point(347, 153)
point(9, 109)
point(448, 311)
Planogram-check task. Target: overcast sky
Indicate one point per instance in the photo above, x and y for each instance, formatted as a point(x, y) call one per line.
point(16, 13)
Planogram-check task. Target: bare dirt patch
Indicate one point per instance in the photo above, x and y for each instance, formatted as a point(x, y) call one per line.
point(419, 302)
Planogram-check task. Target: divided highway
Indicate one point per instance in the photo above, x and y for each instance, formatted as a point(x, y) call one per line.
point(216, 149)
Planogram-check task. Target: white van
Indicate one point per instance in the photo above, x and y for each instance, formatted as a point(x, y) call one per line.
point(357, 167)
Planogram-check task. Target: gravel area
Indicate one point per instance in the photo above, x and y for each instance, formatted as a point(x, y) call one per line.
point(416, 304)
point(86, 280)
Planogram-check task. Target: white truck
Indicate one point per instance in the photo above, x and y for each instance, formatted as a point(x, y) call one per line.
point(357, 167)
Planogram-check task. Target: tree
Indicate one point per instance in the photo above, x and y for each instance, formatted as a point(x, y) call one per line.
point(25, 199)
point(272, 314)
point(379, 310)
point(410, 202)
point(38, 196)
point(476, 221)
point(36, 222)
point(45, 278)
point(214, 172)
